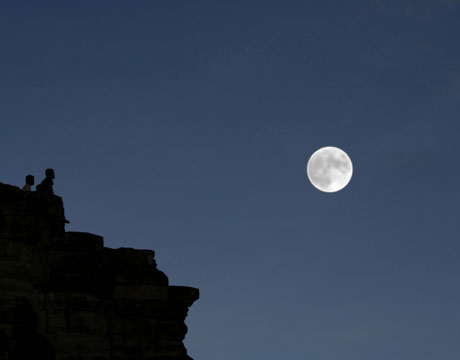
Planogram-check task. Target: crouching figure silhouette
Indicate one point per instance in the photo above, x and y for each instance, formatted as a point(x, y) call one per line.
point(29, 182)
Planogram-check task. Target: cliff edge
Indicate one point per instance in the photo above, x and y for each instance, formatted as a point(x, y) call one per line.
point(65, 296)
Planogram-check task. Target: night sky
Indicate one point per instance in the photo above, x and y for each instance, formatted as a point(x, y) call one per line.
point(185, 127)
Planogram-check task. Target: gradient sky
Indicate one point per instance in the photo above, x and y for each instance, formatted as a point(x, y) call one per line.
point(185, 127)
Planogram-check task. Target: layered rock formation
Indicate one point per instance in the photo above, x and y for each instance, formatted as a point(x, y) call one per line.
point(65, 296)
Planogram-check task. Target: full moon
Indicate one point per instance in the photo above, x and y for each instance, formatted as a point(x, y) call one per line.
point(329, 169)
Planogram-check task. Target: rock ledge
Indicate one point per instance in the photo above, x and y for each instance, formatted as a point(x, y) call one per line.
point(65, 296)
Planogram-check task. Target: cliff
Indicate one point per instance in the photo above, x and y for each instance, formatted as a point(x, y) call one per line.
point(65, 296)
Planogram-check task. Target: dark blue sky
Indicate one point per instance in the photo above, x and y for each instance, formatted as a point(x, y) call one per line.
point(185, 127)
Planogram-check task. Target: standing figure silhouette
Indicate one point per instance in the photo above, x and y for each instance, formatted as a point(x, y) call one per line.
point(46, 186)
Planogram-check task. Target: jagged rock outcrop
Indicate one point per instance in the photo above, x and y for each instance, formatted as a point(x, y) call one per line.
point(65, 296)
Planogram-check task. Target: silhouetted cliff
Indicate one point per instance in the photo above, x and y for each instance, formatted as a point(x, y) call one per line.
point(63, 295)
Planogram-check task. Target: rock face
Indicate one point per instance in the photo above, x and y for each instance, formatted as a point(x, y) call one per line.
point(65, 296)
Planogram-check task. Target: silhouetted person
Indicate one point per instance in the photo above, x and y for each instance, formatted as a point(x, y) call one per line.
point(46, 186)
point(29, 182)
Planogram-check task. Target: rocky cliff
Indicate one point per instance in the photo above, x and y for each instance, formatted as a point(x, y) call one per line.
point(65, 296)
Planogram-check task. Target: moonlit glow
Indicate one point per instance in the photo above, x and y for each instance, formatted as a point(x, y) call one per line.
point(329, 169)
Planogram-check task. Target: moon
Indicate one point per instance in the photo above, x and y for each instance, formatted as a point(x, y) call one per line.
point(329, 169)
